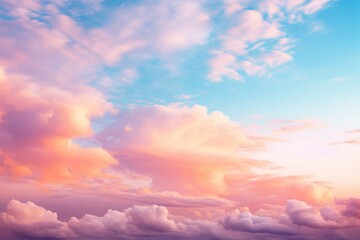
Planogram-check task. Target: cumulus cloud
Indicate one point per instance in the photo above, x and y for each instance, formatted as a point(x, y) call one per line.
point(143, 147)
point(196, 143)
point(247, 222)
point(304, 215)
point(27, 220)
point(48, 102)
point(140, 222)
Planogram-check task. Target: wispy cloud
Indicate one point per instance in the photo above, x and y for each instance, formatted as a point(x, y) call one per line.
point(260, 22)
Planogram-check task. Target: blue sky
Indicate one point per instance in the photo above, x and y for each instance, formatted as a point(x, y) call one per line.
point(323, 87)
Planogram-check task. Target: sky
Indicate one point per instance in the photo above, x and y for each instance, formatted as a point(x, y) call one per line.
point(180, 119)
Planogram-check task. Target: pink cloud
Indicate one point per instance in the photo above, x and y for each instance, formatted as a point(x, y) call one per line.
point(201, 145)
point(233, 6)
point(289, 126)
point(250, 41)
point(156, 221)
point(352, 207)
point(254, 190)
point(282, 7)
point(38, 124)
point(73, 53)
point(276, 58)
point(251, 68)
point(252, 27)
point(194, 142)
point(313, 6)
point(223, 65)
point(143, 148)
point(178, 25)
point(247, 222)
point(350, 142)
point(304, 215)
point(354, 131)
point(27, 213)
point(27, 220)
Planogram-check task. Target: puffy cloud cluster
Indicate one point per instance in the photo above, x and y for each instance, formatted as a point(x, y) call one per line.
point(162, 148)
point(178, 147)
point(159, 140)
point(247, 222)
point(257, 42)
point(27, 220)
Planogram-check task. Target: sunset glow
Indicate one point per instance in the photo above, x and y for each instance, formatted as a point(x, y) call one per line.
point(180, 119)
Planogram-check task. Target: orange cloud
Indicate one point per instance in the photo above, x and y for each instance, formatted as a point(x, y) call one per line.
point(38, 124)
point(193, 152)
point(179, 147)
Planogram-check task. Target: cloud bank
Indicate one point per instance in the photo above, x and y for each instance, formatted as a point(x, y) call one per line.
point(299, 221)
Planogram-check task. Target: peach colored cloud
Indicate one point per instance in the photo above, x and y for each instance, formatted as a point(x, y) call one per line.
point(352, 141)
point(178, 147)
point(197, 144)
point(255, 190)
point(161, 148)
point(354, 131)
point(38, 124)
point(289, 126)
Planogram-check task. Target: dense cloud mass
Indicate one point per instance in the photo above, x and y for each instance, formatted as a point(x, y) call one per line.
point(37, 127)
point(27, 220)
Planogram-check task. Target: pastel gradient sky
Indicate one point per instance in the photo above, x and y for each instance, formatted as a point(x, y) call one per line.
point(180, 119)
